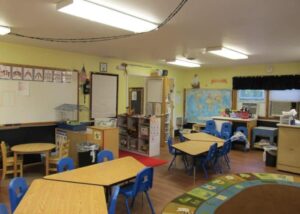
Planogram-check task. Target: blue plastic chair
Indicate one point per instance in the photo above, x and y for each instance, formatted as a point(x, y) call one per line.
point(223, 153)
point(143, 183)
point(175, 153)
point(3, 209)
point(209, 158)
point(181, 137)
point(113, 200)
point(104, 154)
point(210, 128)
point(17, 189)
point(244, 130)
point(65, 164)
point(226, 130)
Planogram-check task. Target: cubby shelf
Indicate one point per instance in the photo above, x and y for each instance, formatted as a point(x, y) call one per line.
point(141, 135)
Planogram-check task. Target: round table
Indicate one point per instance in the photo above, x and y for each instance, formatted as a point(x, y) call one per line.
point(213, 195)
point(33, 148)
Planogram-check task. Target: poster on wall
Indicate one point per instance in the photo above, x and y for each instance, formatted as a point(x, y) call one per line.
point(38, 74)
point(28, 74)
point(23, 88)
point(67, 76)
point(5, 72)
point(17, 73)
point(48, 76)
point(57, 76)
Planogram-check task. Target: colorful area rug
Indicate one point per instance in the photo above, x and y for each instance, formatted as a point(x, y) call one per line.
point(225, 193)
point(147, 161)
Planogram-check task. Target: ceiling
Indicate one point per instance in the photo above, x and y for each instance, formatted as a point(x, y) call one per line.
point(268, 31)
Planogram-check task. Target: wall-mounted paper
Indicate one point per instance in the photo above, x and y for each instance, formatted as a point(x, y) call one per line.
point(28, 74)
point(23, 88)
point(38, 74)
point(17, 73)
point(57, 76)
point(48, 76)
point(5, 72)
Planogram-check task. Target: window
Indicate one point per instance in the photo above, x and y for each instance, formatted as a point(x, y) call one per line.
point(283, 100)
point(254, 100)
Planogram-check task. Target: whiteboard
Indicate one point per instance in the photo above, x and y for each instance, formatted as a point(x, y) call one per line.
point(104, 95)
point(36, 102)
point(154, 90)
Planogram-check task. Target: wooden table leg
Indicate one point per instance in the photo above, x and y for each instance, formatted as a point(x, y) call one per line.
point(47, 162)
point(15, 164)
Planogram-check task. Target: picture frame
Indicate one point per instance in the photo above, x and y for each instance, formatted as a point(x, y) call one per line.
point(38, 74)
point(5, 72)
point(103, 67)
point(17, 73)
point(48, 75)
point(57, 76)
point(28, 74)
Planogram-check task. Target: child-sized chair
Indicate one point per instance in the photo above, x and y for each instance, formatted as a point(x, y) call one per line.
point(65, 164)
point(104, 154)
point(143, 183)
point(16, 189)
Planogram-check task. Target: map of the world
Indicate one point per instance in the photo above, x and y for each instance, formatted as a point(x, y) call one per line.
point(202, 104)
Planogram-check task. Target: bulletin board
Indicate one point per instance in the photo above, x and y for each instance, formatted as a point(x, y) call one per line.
point(30, 94)
point(104, 95)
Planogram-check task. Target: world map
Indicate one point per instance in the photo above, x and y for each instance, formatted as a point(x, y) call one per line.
point(202, 104)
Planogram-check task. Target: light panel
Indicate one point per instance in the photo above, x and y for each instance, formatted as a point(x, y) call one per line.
point(105, 15)
point(4, 30)
point(184, 63)
point(227, 53)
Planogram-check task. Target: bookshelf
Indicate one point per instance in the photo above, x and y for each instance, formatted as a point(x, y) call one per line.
point(139, 134)
point(160, 102)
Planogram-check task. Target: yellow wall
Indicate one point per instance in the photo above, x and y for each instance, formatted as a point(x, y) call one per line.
point(29, 55)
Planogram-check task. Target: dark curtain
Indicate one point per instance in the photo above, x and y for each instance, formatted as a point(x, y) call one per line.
point(267, 82)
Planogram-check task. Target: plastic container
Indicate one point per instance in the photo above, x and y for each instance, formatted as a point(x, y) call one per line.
point(87, 153)
point(271, 158)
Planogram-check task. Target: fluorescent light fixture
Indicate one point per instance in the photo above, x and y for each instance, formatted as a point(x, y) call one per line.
point(184, 63)
point(105, 15)
point(4, 30)
point(227, 53)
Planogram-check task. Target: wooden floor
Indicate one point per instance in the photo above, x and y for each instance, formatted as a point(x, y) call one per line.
point(167, 184)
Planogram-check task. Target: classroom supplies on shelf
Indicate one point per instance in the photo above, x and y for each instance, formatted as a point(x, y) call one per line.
point(140, 134)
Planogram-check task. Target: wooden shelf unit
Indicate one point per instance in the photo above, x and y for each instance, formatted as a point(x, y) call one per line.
point(163, 107)
point(141, 136)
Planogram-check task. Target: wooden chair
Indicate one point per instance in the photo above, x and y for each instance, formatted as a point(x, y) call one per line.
point(62, 152)
point(8, 163)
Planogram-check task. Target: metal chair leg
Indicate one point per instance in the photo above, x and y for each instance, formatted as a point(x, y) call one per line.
point(227, 162)
point(127, 206)
point(172, 162)
point(205, 171)
point(150, 204)
point(132, 202)
point(185, 162)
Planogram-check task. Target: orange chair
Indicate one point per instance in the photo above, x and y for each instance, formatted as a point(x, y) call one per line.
point(8, 163)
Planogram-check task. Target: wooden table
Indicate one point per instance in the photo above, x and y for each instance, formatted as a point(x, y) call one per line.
point(33, 148)
point(104, 174)
point(195, 148)
point(48, 197)
point(249, 123)
point(201, 136)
